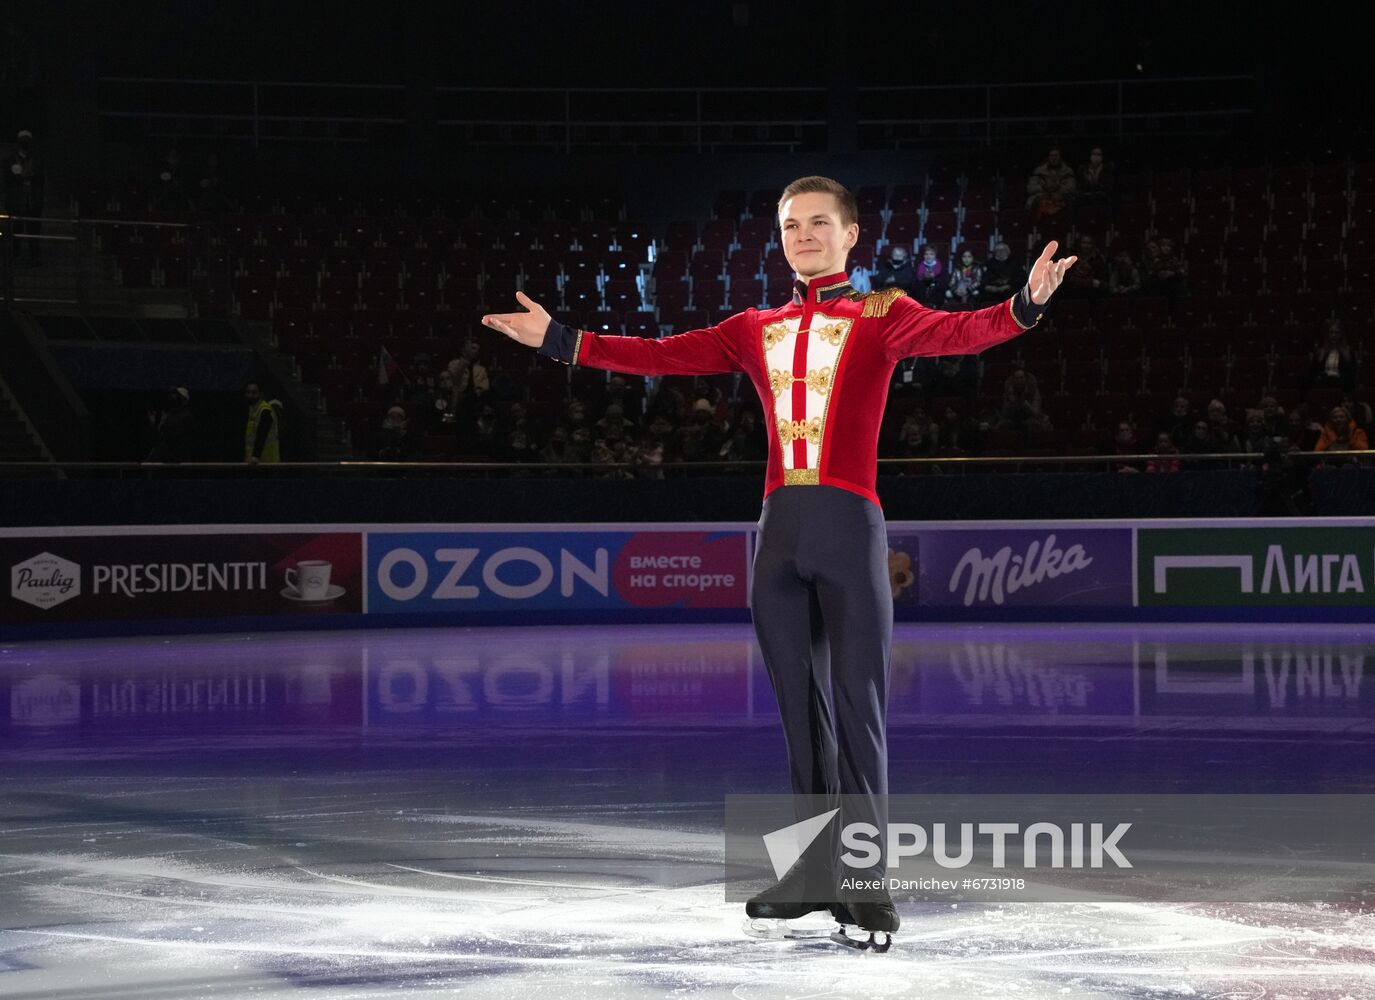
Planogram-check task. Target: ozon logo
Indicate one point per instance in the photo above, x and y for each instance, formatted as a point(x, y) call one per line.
point(404, 574)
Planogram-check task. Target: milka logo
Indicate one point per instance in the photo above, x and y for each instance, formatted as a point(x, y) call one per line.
point(1003, 573)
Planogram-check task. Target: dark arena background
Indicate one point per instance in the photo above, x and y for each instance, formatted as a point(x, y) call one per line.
point(354, 648)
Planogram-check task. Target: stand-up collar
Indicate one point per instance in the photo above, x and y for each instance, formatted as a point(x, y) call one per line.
point(820, 289)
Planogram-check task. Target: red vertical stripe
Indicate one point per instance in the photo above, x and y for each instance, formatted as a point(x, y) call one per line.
point(800, 396)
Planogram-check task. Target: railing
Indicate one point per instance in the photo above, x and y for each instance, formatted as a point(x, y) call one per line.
point(958, 464)
point(77, 263)
point(700, 119)
point(986, 113)
point(254, 111)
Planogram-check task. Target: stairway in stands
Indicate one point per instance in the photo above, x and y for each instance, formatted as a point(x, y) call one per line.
point(18, 442)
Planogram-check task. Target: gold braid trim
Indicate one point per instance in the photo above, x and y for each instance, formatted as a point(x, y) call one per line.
point(781, 381)
point(878, 303)
point(819, 381)
point(774, 334)
point(833, 333)
point(795, 430)
point(577, 346)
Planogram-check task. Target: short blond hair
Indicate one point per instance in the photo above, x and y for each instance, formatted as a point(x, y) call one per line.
point(816, 184)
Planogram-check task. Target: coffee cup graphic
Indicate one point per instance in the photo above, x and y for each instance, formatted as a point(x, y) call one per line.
point(308, 580)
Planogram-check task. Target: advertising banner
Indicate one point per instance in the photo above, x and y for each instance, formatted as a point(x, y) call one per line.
point(555, 569)
point(1056, 565)
point(1256, 567)
point(131, 577)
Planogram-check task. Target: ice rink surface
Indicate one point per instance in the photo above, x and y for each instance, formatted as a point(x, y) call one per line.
point(538, 812)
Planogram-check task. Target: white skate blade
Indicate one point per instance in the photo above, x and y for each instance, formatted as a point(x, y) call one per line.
point(808, 928)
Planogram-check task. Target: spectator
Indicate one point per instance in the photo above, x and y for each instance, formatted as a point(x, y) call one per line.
point(948, 375)
point(485, 440)
point(1199, 442)
point(1123, 276)
point(24, 177)
point(1092, 277)
point(747, 442)
point(1021, 409)
point(1002, 276)
point(1256, 440)
point(1273, 418)
point(1360, 411)
point(896, 271)
point(1221, 430)
point(580, 444)
point(447, 400)
point(394, 442)
point(476, 381)
point(1331, 363)
point(631, 400)
point(1165, 269)
point(648, 460)
point(557, 449)
point(967, 279)
point(1094, 181)
point(1341, 433)
point(613, 424)
point(701, 439)
point(517, 447)
point(1179, 422)
point(958, 435)
point(262, 436)
point(175, 425)
point(931, 279)
point(1166, 456)
point(918, 436)
point(1303, 433)
point(1124, 442)
point(1050, 187)
point(602, 454)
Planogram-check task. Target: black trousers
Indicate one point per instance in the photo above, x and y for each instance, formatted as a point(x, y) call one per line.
point(823, 613)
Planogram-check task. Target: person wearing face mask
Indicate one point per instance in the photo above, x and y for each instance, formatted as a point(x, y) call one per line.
point(820, 590)
point(895, 271)
point(931, 278)
point(24, 178)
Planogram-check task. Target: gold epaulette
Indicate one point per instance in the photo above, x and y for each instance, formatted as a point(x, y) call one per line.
point(878, 303)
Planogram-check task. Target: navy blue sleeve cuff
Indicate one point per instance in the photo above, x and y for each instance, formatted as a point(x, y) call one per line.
point(561, 342)
point(1024, 311)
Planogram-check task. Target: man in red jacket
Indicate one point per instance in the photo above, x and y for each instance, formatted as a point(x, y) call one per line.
point(820, 594)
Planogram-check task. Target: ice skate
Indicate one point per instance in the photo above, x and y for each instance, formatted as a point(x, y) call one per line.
point(866, 925)
point(802, 889)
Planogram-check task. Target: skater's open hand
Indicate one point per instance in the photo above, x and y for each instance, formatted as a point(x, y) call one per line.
point(526, 327)
point(1046, 274)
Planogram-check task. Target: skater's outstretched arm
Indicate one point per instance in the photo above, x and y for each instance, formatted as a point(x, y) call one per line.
point(914, 330)
point(709, 351)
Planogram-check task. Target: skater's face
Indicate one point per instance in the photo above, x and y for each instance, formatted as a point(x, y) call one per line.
point(815, 242)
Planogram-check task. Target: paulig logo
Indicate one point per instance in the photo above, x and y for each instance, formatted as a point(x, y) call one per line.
point(1086, 843)
point(45, 581)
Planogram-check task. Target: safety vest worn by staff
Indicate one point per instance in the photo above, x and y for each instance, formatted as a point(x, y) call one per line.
point(271, 451)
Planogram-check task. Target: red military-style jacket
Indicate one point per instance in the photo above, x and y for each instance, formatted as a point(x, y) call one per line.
point(821, 364)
